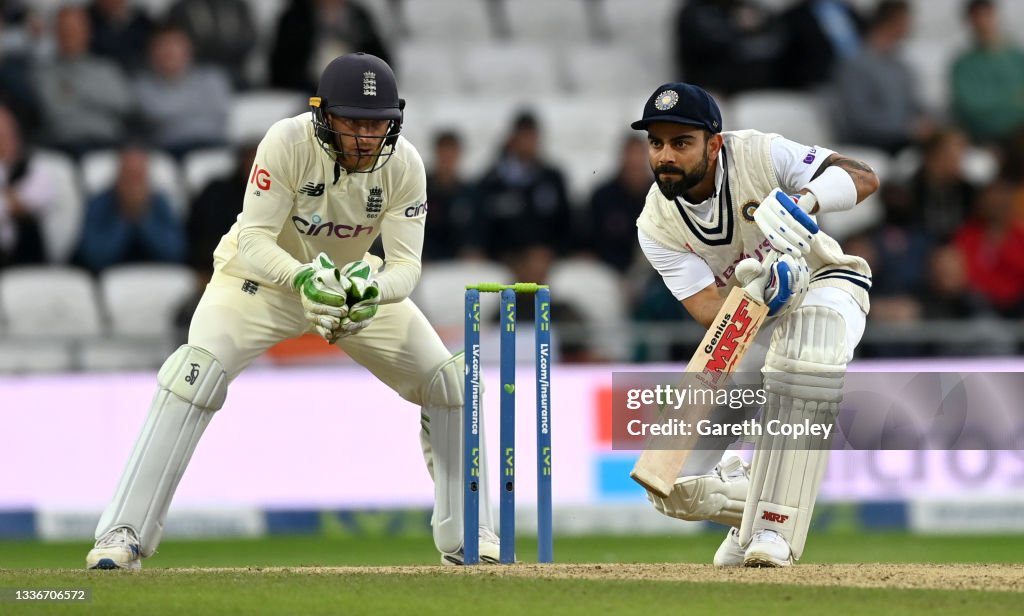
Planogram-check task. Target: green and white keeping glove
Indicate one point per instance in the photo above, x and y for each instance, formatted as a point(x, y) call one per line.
point(324, 294)
point(363, 295)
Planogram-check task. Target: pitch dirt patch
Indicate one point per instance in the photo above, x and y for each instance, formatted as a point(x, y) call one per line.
point(985, 577)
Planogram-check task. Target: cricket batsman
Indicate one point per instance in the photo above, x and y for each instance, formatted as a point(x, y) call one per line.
point(737, 208)
point(324, 186)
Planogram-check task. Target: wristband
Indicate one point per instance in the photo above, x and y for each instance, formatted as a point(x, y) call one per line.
point(834, 190)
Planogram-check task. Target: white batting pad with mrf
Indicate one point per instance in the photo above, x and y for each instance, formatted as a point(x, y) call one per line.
point(803, 379)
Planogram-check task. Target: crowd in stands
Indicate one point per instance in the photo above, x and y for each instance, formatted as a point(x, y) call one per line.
point(102, 75)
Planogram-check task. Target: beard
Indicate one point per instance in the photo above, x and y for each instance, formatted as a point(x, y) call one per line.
point(673, 189)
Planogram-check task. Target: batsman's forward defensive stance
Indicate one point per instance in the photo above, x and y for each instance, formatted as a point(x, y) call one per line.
point(324, 185)
point(736, 209)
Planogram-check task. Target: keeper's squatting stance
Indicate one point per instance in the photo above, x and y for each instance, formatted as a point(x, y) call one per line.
point(324, 185)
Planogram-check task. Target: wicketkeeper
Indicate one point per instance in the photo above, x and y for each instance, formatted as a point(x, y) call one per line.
point(733, 209)
point(324, 186)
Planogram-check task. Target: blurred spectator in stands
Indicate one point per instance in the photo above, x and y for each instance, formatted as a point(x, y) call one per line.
point(819, 34)
point(990, 245)
point(222, 32)
point(616, 204)
point(26, 193)
point(17, 92)
point(120, 31)
point(1013, 170)
point(130, 222)
point(522, 199)
point(450, 201)
point(940, 193)
point(213, 212)
point(728, 45)
point(877, 103)
point(988, 79)
point(311, 33)
point(86, 100)
point(184, 107)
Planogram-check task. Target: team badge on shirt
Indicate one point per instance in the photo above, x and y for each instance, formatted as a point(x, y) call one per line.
point(666, 100)
point(374, 202)
point(747, 211)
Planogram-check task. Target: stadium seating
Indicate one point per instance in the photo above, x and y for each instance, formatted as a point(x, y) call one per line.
point(596, 292)
point(253, 112)
point(99, 173)
point(201, 167)
point(62, 224)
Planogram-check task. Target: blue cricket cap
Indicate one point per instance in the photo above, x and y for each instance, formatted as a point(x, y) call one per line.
point(681, 103)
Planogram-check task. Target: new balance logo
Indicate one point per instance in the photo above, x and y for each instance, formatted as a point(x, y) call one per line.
point(771, 516)
point(311, 189)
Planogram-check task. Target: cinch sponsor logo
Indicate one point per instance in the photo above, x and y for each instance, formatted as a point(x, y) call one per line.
point(415, 210)
point(771, 516)
point(317, 226)
point(810, 156)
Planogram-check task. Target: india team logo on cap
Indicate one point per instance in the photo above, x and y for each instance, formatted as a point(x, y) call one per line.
point(666, 100)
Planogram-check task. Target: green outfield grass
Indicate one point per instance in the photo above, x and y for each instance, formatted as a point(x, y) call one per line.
point(313, 550)
point(165, 588)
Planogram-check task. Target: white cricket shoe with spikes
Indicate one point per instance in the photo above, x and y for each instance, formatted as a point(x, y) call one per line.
point(490, 550)
point(118, 549)
point(730, 553)
point(768, 549)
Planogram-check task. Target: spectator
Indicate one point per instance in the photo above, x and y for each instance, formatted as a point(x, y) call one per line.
point(875, 94)
point(522, 200)
point(130, 222)
point(940, 194)
point(450, 200)
point(728, 45)
point(818, 34)
point(220, 30)
point(119, 32)
point(184, 107)
point(214, 211)
point(17, 92)
point(990, 245)
point(311, 33)
point(26, 193)
point(988, 79)
point(86, 100)
point(616, 204)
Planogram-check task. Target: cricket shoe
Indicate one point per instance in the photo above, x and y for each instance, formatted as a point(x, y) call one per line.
point(768, 549)
point(731, 552)
point(490, 550)
point(118, 549)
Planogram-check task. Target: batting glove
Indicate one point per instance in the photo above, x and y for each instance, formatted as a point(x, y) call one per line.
point(780, 281)
point(788, 227)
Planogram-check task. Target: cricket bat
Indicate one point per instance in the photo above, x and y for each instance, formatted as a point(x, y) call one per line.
point(721, 350)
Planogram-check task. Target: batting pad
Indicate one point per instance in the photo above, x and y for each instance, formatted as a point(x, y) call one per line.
point(803, 377)
point(192, 386)
point(441, 440)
